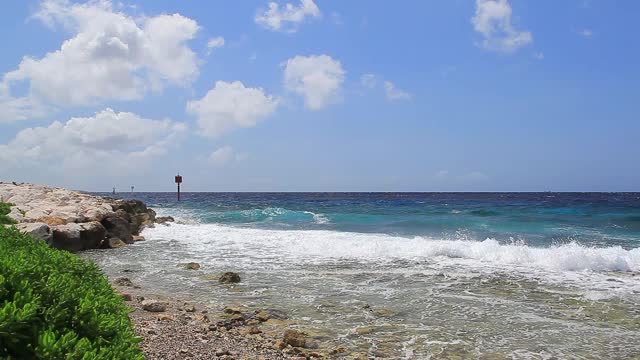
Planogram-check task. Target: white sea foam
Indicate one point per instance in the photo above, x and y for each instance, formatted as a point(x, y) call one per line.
point(322, 245)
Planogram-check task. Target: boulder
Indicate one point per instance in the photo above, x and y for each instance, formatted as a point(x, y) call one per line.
point(117, 227)
point(154, 306)
point(37, 230)
point(139, 214)
point(76, 237)
point(230, 277)
point(294, 338)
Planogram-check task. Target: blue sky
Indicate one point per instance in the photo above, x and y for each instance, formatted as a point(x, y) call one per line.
point(321, 96)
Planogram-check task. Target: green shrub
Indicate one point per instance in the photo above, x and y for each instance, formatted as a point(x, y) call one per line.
point(55, 305)
point(5, 208)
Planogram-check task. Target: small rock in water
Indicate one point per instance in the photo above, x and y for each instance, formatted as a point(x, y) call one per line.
point(164, 219)
point(154, 305)
point(192, 266)
point(126, 297)
point(123, 281)
point(230, 277)
point(137, 238)
point(189, 308)
point(294, 338)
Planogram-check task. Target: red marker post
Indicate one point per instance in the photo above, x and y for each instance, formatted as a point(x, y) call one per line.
point(178, 181)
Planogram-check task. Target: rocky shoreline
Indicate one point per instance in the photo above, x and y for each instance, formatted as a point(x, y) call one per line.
point(74, 221)
point(170, 327)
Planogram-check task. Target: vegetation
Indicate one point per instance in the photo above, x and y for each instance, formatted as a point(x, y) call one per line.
point(55, 305)
point(5, 208)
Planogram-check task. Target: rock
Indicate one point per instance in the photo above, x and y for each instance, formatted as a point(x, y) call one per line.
point(117, 227)
point(254, 330)
point(294, 338)
point(126, 297)
point(192, 266)
point(37, 230)
point(122, 281)
point(165, 317)
point(262, 316)
point(384, 313)
point(189, 308)
point(231, 310)
point(164, 219)
point(154, 306)
point(113, 243)
point(279, 345)
point(137, 238)
point(76, 237)
point(229, 277)
point(139, 214)
point(52, 220)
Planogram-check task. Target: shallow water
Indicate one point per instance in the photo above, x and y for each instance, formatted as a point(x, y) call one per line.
point(352, 270)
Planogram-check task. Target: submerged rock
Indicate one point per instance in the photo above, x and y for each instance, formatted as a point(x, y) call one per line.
point(123, 281)
point(192, 266)
point(230, 277)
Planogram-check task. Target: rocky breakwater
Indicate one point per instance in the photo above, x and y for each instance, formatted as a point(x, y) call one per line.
point(75, 221)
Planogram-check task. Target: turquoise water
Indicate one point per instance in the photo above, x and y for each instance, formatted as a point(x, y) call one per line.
point(531, 276)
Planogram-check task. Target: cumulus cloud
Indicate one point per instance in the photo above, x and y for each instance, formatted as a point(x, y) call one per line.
point(317, 78)
point(395, 94)
point(493, 20)
point(288, 17)
point(108, 139)
point(110, 56)
point(231, 105)
point(214, 42)
point(225, 155)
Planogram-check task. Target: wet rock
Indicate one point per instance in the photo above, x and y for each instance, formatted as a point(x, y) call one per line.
point(37, 230)
point(154, 306)
point(364, 330)
point(229, 277)
point(137, 238)
point(192, 266)
point(117, 227)
point(189, 308)
point(384, 313)
point(279, 345)
point(122, 281)
point(294, 338)
point(164, 219)
point(126, 297)
point(113, 243)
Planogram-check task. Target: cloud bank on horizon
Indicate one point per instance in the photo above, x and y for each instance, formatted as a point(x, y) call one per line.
point(129, 85)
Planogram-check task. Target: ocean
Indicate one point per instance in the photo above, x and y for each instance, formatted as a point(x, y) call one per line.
point(411, 275)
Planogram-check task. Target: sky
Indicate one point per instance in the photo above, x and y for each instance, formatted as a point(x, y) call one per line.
point(318, 95)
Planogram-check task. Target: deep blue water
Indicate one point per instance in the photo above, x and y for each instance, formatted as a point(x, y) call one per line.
point(534, 219)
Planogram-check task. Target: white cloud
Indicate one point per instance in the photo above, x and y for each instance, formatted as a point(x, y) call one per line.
point(395, 94)
point(317, 78)
point(493, 21)
point(369, 80)
point(586, 33)
point(288, 17)
point(231, 105)
point(213, 43)
point(103, 142)
point(225, 155)
point(110, 56)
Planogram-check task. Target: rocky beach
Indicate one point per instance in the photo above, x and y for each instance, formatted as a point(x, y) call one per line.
point(170, 327)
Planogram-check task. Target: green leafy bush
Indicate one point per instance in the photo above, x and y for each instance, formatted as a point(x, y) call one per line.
point(5, 208)
point(55, 305)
